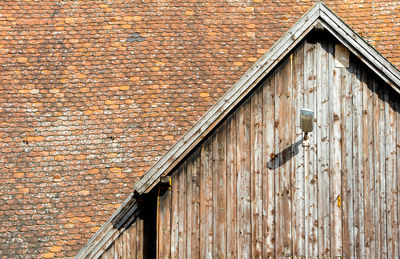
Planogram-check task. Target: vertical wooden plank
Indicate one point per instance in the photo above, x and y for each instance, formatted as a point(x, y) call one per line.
point(231, 185)
point(206, 216)
point(182, 211)
point(391, 175)
point(283, 140)
point(382, 188)
point(358, 109)
point(243, 180)
point(380, 195)
point(311, 188)
point(117, 245)
point(276, 160)
point(347, 164)
point(163, 227)
point(129, 244)
point(297, 168)
point(368, 165)
point(189, 206)
point(372, 244)
point(132, 239)
point(139, 239)
point(123, 253)
point(214, 172)
point(256, 172)
point(175, 179)
point(322, 136)
point(126, 243)
point(268, 165)
point(194, 244)
point(119, 242)
point(382, 171)
point(398, 165)
point(335, 163)
point(219, 185)
point(287, 156)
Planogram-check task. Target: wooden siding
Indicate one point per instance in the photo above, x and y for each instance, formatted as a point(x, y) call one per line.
point(129, 244)
point(246, 192)
point(137, 239)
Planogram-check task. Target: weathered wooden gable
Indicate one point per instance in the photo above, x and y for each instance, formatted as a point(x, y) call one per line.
point(245, 190)
point(242, 183)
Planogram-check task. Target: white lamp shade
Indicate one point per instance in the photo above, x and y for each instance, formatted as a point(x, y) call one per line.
point(306, 120)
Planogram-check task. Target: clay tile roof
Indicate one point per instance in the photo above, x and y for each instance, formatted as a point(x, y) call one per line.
point(92, 93)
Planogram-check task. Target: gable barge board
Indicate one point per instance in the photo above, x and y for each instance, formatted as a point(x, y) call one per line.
point(372, 58)
point(363, 51)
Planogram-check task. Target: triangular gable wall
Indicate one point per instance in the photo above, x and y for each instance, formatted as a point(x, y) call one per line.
point(318, 16)
point(251, 183)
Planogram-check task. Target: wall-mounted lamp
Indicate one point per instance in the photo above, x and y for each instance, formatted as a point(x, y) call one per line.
point(306, 121)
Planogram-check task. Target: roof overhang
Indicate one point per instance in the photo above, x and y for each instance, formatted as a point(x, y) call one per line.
point(319, 15)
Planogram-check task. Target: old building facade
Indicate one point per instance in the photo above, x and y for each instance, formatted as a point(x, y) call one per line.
point(244, 182)
point(94, 92)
